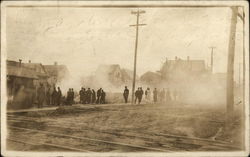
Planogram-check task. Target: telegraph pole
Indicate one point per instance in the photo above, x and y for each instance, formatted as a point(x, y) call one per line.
point(230, 65)
point(244, 55)
point(137, 13)
point(212, 58)
point(242, 17)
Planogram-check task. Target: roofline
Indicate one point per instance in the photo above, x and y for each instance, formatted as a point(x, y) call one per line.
point(23, 77)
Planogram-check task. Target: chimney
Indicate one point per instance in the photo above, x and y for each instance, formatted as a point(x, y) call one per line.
point(55, 63)
point(29, 61)
point(176, 58)
point(20, 62)
point(166, 59)
point(187, 58)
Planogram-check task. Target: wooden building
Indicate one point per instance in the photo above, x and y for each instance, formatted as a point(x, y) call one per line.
point(20, 85)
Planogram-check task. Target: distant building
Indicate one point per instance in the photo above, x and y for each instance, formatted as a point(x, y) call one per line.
point(23, 80)
point(150, 78)
point(20, 85)
point(56, 73)
point(179, 69)
point(110, 76)
point(40, 72)
point(114, 74)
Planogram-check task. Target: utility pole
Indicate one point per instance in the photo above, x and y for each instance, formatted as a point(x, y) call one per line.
point(244, 61)
point(242, 17)
point(212, 58)
point(230, 65)
point(137, 13)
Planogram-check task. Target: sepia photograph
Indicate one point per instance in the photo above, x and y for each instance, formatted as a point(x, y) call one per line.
point(125, 78)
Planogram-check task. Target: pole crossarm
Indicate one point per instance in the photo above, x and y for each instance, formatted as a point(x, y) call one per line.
point(241, 17)
point(138, 25)
point(138, 12)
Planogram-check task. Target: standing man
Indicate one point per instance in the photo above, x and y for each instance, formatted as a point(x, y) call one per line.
point(59, 96)
point(89, 96)
point(140, 94)
point(137, 93)
point(103, 95)
point(72, 96)
point(84, 96)
point(40, 95)
point(99, 92)
point(93, 98)
point(53, 96)
point(81, 96)
point(68, 96)
point(155, 95)
point(148, 93)
point(125, 94)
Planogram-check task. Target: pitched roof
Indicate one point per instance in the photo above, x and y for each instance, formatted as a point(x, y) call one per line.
point(38, 68)
point(111, 69)
point(193, 65)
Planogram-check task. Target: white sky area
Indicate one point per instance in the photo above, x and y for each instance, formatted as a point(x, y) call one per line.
point(84, 38)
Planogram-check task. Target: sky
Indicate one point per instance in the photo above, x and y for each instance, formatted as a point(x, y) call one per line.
point(84, 38)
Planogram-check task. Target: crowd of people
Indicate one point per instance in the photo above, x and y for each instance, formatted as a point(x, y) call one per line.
point(54, 97)
point(49, 96)
point(158, 96)
point(91, 97)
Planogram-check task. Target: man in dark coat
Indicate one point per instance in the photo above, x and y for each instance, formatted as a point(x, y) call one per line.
point(98, 94)
point(93, 98)
point(103, 95)
point(59, 96)
point(81, 95)
point(72, 96)
point(68, 99)
point(155, 95)
point(137, 93)
point(140, 94)
point(89, 96)
point(53, 96)
point(84, 96)
point(40, 95)
point(125, 94)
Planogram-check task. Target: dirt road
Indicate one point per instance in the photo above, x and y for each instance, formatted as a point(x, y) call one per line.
point(119, 128)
